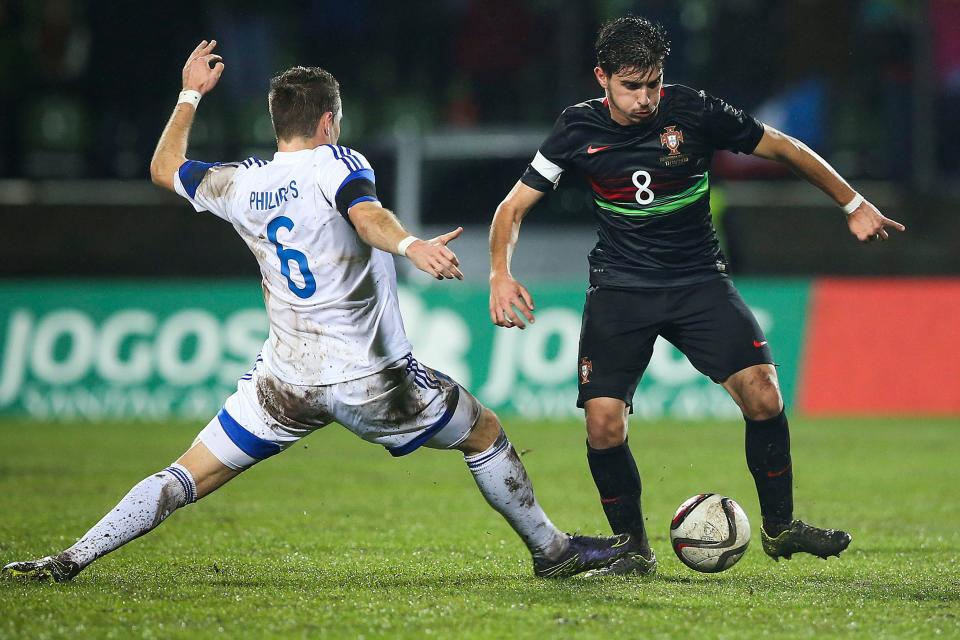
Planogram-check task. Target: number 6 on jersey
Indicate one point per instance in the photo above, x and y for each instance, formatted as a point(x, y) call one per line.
point(286, 255)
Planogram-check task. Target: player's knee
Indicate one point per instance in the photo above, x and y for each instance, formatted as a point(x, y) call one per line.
point(204, 470)
point(605, 431)
point(484, 433)
point(762, 399)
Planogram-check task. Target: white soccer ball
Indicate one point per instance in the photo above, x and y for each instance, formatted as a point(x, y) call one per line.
point(709, 533)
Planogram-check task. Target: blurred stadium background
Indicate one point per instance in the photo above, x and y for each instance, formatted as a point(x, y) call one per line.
point(119, 302)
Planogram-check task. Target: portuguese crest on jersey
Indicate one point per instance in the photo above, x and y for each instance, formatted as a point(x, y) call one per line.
point(672, 139)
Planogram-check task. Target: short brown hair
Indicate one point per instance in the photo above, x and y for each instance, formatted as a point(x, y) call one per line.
point(631, 43)
point(298, 99)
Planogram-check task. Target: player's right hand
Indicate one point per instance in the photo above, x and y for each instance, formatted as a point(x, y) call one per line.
point(198, 75)
point(433, 256)
point(507, 296)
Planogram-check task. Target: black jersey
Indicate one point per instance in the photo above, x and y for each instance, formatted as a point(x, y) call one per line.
point(650, 184)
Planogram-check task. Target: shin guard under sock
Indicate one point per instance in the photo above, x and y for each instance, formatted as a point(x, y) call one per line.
point(618, 481)
point(768, 457)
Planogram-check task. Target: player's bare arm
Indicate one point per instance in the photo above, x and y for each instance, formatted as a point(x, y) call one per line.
point(379, 228)
point(507, 295)
point(865, 220)
point(171, 151)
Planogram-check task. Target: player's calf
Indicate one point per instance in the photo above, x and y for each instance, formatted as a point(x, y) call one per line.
point(617, 478)
point(767, 445)
point(146, 505)
point(503, 481)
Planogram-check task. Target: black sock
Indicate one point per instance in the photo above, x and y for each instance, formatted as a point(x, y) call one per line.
point(768, 457)
point(618, 481)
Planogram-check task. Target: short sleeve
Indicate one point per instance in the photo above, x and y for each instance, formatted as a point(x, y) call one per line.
point(728, 127)
point(552, 159)
point(349, 179)
point(208, 186)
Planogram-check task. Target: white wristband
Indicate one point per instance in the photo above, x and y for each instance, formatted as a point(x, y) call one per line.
point(851, 206)
point(190, 97)
point(405, 244)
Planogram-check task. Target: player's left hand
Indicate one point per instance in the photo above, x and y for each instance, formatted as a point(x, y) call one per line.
point(198, 75)
point(868, 224)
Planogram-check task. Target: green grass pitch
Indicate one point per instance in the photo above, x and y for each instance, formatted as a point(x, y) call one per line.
point(336, 539)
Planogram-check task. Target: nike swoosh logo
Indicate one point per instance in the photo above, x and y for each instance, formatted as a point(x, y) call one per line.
point(759, 344)
point(593, 149)
point(777, 474)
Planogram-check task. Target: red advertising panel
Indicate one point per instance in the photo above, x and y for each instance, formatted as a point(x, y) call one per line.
point(882, 346)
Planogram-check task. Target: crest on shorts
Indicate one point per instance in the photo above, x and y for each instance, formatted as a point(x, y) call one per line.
point(586, 367)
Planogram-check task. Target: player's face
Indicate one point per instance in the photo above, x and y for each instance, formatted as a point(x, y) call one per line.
point(633, 95)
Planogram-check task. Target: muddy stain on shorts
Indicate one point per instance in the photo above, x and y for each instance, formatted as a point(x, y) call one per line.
point(297, 409)
point(406, 401)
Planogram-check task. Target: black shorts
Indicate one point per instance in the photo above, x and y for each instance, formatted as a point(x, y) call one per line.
point(709, 323)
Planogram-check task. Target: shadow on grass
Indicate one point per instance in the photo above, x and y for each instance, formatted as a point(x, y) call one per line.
point(692, 580)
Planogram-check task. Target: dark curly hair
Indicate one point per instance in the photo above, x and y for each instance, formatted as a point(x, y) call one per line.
point(631, 43)
point(298, 99)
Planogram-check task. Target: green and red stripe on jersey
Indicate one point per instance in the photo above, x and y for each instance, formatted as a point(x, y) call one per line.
point(620, 198)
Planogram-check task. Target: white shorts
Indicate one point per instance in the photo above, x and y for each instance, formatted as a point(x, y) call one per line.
point(403, 407)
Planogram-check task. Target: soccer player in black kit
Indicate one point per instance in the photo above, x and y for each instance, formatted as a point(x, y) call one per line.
point(657, 269)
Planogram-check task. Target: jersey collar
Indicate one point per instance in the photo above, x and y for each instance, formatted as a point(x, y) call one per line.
point(291, 156)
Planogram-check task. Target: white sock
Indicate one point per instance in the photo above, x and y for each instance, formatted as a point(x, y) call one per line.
point(144, 507)
point(504, 483)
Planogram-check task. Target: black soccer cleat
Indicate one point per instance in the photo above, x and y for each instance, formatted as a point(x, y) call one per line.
point(800, 537)
point(583, 554)
point(44, 569)
point(638, 563)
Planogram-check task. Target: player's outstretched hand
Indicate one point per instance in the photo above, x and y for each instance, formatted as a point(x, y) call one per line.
point(868, 224)
point(198, 75)
point(434, 257)
point(507, 296)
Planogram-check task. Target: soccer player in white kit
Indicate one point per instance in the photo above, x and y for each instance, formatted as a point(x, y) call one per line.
point(336, 350)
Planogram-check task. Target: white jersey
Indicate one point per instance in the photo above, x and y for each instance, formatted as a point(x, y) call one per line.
point(330, 297)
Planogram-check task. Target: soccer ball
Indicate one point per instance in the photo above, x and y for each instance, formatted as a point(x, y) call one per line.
point(709, 533)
